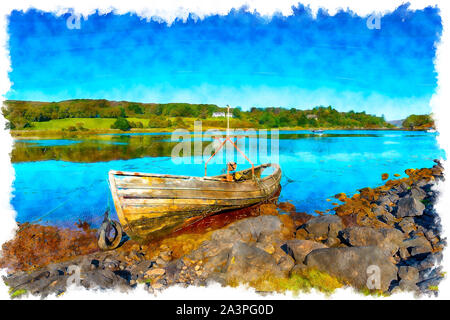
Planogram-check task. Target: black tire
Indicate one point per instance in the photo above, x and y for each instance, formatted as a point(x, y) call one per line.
point(104, 243)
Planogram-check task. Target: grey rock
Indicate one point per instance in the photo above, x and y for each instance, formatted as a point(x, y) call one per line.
point(103, 279)
point(385, 217)
point(286, 263)
point(404, 253)
point(299, 249)
point(430, 261)
point(326, 226)
point(332, 242)
point(409, 207)
point(393, 197)
point(407, 285)
point(418, 193)
point(352, 264)
point(248, 263)
point(249, 229)
point(429, 273)
point(430, 284)
point(417, 246)
point(408, 273)
point(407, 225)
point(385, 238)
point(383, 201)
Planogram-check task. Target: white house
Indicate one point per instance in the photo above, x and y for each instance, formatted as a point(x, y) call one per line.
point(220, 114)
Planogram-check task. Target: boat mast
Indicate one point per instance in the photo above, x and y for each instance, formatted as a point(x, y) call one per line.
point(228, 121)
point(227, 139)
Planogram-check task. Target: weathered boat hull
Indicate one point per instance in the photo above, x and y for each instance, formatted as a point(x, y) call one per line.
point(150, 206)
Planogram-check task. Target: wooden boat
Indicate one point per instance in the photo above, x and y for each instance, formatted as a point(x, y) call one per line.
point(150, 206)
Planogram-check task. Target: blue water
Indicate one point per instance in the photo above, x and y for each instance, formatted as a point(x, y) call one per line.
point(315, 167)
point(48, 142)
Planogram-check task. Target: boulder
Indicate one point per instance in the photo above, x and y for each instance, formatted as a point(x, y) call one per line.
point(383, 201)
point(409, 207)
point(327, 226)
point(430, 284)
point(385, 217)
point(407, 285)
point(408, 273)
point(286, 263)
point(248, 263)
point(393, 197)
point(352, 264)
point(102, 279)
point(418, 245)
point(299, 249)
point(430, 261)
point(385, 238)
point(418, 193)
point(249, 229)
point(407, 225)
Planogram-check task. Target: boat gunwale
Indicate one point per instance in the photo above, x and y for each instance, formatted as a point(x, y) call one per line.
point(119, 204)
point(211, 178)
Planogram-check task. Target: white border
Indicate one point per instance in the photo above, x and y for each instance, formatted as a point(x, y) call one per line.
point(167, 10)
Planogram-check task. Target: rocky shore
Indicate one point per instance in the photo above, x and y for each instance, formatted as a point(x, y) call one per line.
point(381, 241)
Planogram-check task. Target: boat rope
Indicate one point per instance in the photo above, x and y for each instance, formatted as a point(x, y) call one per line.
point(288, 179)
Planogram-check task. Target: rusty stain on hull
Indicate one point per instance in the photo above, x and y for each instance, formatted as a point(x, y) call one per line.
point(150, 206)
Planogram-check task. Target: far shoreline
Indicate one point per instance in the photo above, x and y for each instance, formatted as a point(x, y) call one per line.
point(19, 134)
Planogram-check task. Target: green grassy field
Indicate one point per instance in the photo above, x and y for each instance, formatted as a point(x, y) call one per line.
point(105, 123)
point(88, 123)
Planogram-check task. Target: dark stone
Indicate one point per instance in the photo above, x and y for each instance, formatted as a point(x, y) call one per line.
point(352, 264)
point(299, 249)
point(407, 225)
point(418, 193)
point(249, 229)
point(248, 263)
point(103, 279)
point(385, 217)
point(417, 245)
point(409, 207)
point(408, 273)
point(385, 238)
point(326, 226)
point(407, 285)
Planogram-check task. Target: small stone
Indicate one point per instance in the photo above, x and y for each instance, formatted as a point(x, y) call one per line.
point(160, 262)
point(157, 285)
point(407, 225)
point(166, 256)
point(406, 285)
point(155, 272)
point(408, 273)
point(299, 249)
point(409, 207)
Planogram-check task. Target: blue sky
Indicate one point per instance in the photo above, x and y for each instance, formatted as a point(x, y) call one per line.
point(241, 59)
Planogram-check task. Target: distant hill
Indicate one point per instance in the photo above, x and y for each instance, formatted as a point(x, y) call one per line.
point(27, 114)
point(397, 123)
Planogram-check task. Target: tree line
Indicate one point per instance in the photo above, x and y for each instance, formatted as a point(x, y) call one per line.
point(22, 114)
